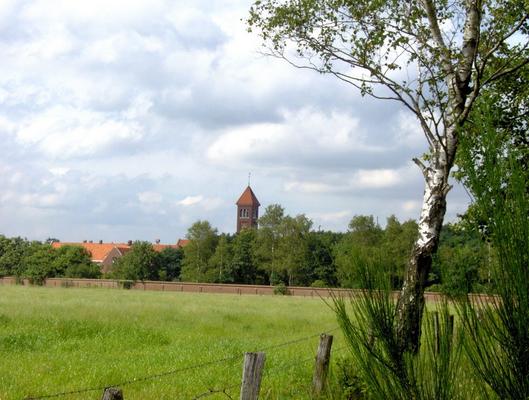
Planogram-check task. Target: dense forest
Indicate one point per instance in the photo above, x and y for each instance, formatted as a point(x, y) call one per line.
point(285, 250)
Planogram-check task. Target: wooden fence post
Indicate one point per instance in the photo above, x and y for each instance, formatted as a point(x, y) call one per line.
point(450, 329)
point(321, 367)
point(112, 394)
point(251, 375)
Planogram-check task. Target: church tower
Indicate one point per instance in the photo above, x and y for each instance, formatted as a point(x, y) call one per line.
point(247, 210)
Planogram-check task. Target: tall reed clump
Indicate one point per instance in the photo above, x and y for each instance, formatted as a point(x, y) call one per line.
point(497, 331)
point(368, 323)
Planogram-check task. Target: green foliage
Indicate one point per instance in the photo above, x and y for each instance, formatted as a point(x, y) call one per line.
point(462, 261)
point(320, 262)
point(38, 263)
point(293, 247)
point(197, 253)
point(243, 268)
point(267, 250)
point(494, 168)
point(367, 243)
point(221, 261)
point(74, 262)
point(281, 289)
point(169, 262)
point(138, 264)
point(350, 385)
point(381, 370)
point(12, 251)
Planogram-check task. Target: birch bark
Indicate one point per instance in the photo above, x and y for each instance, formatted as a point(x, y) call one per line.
point(410, 305)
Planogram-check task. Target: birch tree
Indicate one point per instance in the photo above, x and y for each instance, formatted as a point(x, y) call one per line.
point(432, 56)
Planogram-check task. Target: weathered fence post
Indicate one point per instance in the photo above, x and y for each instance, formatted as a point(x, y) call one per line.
point(251, 375)
point(321, 367)
point(112, 394)
point(450, 330)
point(437, 331)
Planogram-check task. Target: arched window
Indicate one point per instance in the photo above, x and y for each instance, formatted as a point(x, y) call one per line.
point(243, 213)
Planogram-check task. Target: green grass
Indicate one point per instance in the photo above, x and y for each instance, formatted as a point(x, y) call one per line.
point(55, 340)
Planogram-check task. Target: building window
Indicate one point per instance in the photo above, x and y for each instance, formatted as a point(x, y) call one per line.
point(255, 213)
point(243, 213)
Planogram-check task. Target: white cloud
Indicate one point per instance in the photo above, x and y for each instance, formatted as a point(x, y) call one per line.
point(163, 106)
point(205, 203)
point(65, 132)
point(333, 216)
point(307, 187)
point(190, 200)
point(377, 178)
point(305, 132)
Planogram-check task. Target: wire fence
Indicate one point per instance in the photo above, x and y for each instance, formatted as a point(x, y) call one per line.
point(282, 368)
point(211, 391)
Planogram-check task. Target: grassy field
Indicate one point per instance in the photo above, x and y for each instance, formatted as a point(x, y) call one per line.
point(55, 340)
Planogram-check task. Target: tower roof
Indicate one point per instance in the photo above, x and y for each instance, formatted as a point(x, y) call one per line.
point(248, 198)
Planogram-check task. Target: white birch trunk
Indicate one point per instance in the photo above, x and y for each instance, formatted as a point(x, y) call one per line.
point(410, 305)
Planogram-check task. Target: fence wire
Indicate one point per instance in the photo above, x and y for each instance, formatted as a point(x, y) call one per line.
point(175, 371)
point(267, 373)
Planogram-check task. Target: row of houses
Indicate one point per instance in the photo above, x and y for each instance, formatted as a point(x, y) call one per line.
point(105, 254)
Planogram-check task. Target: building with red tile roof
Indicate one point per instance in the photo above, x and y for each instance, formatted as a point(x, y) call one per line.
point(105, 254)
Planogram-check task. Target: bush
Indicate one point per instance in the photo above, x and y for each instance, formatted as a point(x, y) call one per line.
point(319, 284)
point(127, 284)
point(281, 289)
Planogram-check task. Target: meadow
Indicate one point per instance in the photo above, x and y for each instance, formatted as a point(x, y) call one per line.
point(63, 339)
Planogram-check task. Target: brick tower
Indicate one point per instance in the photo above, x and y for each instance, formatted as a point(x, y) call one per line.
point(247, 210)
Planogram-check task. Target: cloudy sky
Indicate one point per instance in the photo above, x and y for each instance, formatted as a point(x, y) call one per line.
point(132, 119)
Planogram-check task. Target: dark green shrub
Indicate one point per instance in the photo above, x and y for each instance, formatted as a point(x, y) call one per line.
point(281, 289)
point(126, 284)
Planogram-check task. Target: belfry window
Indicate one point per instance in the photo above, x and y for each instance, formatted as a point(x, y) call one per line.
point(243, 213)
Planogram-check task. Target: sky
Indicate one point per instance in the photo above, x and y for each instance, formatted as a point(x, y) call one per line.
point(130, 120)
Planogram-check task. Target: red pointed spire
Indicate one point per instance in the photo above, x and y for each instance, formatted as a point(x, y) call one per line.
point(248, 198)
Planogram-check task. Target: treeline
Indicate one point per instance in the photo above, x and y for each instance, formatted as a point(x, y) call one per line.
point(37, 261)
point(285, 250)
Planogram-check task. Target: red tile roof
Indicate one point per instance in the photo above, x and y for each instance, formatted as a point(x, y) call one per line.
point(182, 242)
point(160, 247)
point(248, 198)
point(98, 251)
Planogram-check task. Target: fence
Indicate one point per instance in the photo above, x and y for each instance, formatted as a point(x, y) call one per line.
point(252, 373)
point(191, 287)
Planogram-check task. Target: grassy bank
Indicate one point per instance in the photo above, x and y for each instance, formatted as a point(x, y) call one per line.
point(54, 340)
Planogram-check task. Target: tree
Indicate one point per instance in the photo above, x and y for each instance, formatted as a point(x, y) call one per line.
point(268, 238)
point(450, 45)
point(293, 247)
point(169, 262)
point(37, 263)
point(221, 261)
point(397, 244)
point(364, 230)
point(243, 268)
point(139, 263)
point(74, 262)
point(321, 269)
point(11, 254)
point(202, 242)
